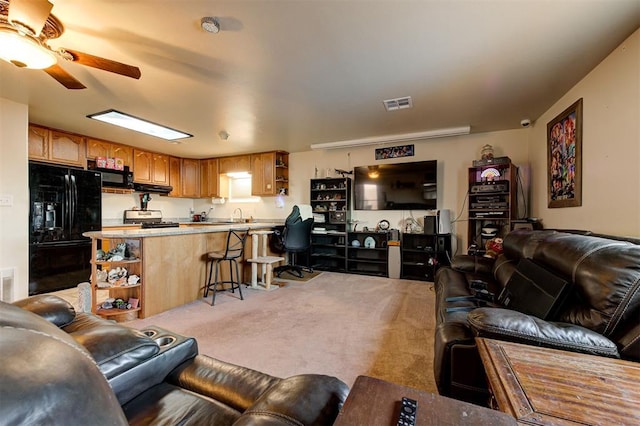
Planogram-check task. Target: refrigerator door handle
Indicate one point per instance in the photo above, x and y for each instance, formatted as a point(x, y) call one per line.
point(74, 200)
point(67, 203)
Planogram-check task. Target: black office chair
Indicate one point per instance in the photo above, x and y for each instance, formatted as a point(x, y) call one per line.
point(234, 250)
point(296, 238)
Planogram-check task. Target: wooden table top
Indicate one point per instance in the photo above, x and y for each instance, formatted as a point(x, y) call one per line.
point(374, 402)
point(541, 386)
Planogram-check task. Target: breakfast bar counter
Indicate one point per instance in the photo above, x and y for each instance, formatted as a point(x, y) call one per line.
point(172, 262)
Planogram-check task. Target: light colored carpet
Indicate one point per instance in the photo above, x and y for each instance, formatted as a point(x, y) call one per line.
point(341, 325)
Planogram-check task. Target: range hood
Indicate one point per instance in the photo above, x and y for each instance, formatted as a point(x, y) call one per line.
point(153, 188)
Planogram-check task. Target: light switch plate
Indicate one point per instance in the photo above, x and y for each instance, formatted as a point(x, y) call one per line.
point(6, 200)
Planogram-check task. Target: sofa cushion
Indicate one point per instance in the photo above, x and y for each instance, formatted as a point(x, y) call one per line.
point(47, 377)
point(52, 308)
point(505, 324)
point(114, 347)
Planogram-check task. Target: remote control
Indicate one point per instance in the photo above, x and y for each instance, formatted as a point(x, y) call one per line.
point(408, 408)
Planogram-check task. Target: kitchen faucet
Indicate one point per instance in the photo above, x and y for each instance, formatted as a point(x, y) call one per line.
point(237, 210)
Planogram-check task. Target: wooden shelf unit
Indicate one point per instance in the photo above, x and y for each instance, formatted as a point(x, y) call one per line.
point(489, 202)
point(133, 264)
point(330, 201)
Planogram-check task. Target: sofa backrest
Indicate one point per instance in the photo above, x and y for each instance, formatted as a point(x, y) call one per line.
point(47, 377)
point(605, 274)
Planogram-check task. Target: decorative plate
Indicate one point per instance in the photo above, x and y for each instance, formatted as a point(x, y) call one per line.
point(383, 225)
point(369, 242)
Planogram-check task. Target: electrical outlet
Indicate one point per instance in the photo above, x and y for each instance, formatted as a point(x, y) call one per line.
point(6, 200)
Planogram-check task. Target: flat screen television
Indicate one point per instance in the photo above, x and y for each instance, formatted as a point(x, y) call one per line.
point(399, 186)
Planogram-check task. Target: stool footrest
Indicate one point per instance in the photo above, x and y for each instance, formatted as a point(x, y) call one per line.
point(266, 259)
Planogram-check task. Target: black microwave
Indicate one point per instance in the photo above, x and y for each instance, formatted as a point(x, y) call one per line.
point(116, 178)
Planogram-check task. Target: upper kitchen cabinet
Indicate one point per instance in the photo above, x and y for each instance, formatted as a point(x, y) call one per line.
point(240, 163)
point(99, 148)
point(175, 176)
point(190, 176)
point(56, 147)
point(209, 178)
point(150, 167)
point(270, 173)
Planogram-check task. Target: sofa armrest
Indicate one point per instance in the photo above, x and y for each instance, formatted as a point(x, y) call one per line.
point(52, 308)
point(307, 399)
point(475, 264)
point(505, 324)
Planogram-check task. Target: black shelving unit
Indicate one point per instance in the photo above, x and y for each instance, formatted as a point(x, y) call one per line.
point(330, 200)
point(367, 258)
point(423, 254)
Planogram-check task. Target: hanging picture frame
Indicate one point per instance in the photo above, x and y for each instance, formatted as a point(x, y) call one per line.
point(395, 152)
point(564, 158)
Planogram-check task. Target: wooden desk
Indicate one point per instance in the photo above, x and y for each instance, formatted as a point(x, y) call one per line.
point(540, 386)
point(374, 402)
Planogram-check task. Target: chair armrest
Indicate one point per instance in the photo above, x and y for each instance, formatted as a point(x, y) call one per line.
point(505, 324)
point(476, 264)
point(307, 399)
point(52, 308)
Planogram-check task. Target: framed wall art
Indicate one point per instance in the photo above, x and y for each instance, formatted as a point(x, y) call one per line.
point(394, 152)
point(564, 158)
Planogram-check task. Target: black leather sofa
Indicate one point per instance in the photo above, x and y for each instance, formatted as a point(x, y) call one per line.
point(59, 368)
point(600, 315)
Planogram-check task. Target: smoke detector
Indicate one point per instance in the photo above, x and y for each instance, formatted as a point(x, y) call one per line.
point(210, 24)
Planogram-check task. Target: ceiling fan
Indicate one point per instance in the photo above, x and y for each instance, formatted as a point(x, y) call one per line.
point(25, 28)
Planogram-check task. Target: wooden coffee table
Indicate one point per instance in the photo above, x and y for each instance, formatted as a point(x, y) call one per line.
point(374, 402)
point(540, 386)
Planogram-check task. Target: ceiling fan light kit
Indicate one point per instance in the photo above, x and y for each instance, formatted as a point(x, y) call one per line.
point(24, 51)
point(26, 26)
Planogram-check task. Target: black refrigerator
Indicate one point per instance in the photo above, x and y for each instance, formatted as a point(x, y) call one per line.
point(64, 202)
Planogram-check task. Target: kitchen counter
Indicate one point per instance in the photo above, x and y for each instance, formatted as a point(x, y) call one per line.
point(201, 228)
point(173, 260)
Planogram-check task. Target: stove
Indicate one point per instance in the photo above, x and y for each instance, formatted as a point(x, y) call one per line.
point(147, 218)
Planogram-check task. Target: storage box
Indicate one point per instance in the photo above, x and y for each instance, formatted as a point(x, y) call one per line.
point(119, 163)
point(101, 162)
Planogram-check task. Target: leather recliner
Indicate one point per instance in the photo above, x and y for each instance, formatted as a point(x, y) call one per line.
point(59, 368)
point(600, 316)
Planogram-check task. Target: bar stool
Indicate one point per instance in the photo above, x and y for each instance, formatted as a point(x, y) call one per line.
point(233, 251)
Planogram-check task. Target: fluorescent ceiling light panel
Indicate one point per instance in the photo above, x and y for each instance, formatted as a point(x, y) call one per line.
point(405, 137)
point(130, 122)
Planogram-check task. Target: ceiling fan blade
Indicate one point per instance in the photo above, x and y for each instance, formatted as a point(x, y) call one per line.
point(63, 77)
point(104, 64)
point(30, 13)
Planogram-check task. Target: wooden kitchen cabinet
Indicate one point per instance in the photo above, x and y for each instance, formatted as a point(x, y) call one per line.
point(99, 148)
point(270, 173)
point(150, 167)
point(175, 176)
point(239, 163)
point(209, 178)
point(190, 175)
point(56, 147)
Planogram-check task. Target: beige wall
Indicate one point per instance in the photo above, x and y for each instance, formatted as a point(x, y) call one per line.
point(454, 154)
point(611, 148)
point(14, 225)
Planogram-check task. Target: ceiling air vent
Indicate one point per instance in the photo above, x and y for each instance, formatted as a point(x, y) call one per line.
point(398, 103)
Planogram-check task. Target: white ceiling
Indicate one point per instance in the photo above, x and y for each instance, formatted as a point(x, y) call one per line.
point(287, 74)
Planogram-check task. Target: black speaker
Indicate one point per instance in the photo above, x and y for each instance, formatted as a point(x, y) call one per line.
point(430, 225)
point(442, 245)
